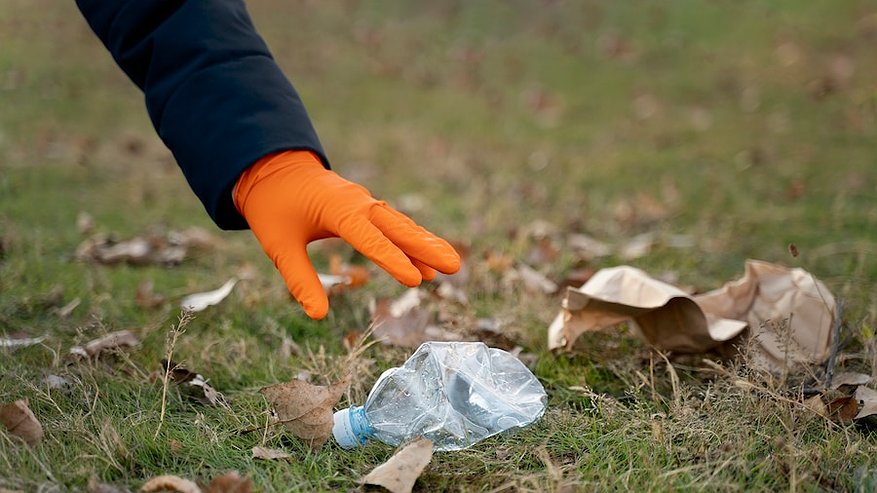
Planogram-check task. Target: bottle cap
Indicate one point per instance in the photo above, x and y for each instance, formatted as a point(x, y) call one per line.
point(350, 427)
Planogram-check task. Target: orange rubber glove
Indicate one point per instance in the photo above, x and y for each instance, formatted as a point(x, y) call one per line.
point(289, 199)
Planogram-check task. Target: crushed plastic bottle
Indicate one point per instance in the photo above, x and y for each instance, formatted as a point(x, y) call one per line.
point(454, 393)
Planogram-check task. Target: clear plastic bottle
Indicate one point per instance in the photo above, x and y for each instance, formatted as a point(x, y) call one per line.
point(454, 393)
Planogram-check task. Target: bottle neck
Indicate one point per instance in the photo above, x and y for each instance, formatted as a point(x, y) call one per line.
point(359, 425)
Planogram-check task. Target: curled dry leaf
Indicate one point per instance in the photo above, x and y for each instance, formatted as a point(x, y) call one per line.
point(195, 383)
point(20, 421)
point(113, 340)
point(156, 248)
point(849, 378)
point(672, 320)
point(199, 301)
point(305, 409)
point(170, 483)
point(270, 454)
point(867, 400)
point(399, 474)
point(404, 322)
point(20, 342)
point(843, 409)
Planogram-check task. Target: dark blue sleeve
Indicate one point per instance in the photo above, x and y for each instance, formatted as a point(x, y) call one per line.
point(213, 92)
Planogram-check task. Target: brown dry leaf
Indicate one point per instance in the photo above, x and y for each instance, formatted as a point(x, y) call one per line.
point(399, 474)
point(230, 482)
point(843, 409)
point(270, 454)
point(4, 490)
point(305, 409)
point(194, 383)
point(200, 301)
point(154, 248)
point(816, 405)
point(170, 483)
point(672, 320)
point(20, 421)
point(867, 400)
point(113, 340)
point(356, 275)
point(404, 322)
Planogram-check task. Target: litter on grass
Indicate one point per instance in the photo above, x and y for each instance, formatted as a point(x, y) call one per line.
point(788, 312)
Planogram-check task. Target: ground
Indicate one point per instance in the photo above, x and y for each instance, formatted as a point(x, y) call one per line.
point(725, 130)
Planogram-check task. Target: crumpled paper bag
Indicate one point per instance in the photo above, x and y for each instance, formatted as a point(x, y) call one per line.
point(671, 320)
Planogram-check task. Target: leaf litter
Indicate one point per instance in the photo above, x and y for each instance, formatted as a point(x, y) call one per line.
point(21, 422)
point(788, 313)
point(194, 384)
point(230, 482)
point(270, 454)
point(306, 410)
point(154, 248)
point(113, 340)
point(401, 471)
point(197, 302)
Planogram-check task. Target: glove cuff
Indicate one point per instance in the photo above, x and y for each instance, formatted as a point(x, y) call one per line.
point(267, 166)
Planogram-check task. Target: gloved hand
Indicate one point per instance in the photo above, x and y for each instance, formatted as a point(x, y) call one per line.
point(289, 199)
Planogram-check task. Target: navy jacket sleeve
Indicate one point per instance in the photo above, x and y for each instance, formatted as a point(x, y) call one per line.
point(213, 92)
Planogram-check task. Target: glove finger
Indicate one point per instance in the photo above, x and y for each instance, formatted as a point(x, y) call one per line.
point(426, 272)
point(414, 240)
point(369, 241)
point(302, 281)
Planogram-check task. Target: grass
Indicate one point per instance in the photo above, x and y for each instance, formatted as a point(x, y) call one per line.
point(752, 124)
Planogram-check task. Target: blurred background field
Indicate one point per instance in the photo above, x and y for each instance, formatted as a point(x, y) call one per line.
point(722, 130)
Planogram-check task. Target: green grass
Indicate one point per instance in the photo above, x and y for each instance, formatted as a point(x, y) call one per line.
point(753, 123)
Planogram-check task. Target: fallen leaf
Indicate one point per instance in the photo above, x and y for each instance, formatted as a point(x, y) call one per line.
point(356, 275)
point(195, 383)
point(672, 320)
point(113, 340)
point(637, 247)
point(56, 382)
point(269, 454)
point(587, 247)
point(170, 483)
point(843, 409)
point(330, 281)
point(816, 405)
point(305, 409)
point(849, 378)
point(534, 280)
point(404, 322)
point(867, 400)
point(155, 248)
point(401, 471)
point(199, 301)
point(20, 342)
point(20, 421)
point(230, 482)
point(67, 309)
